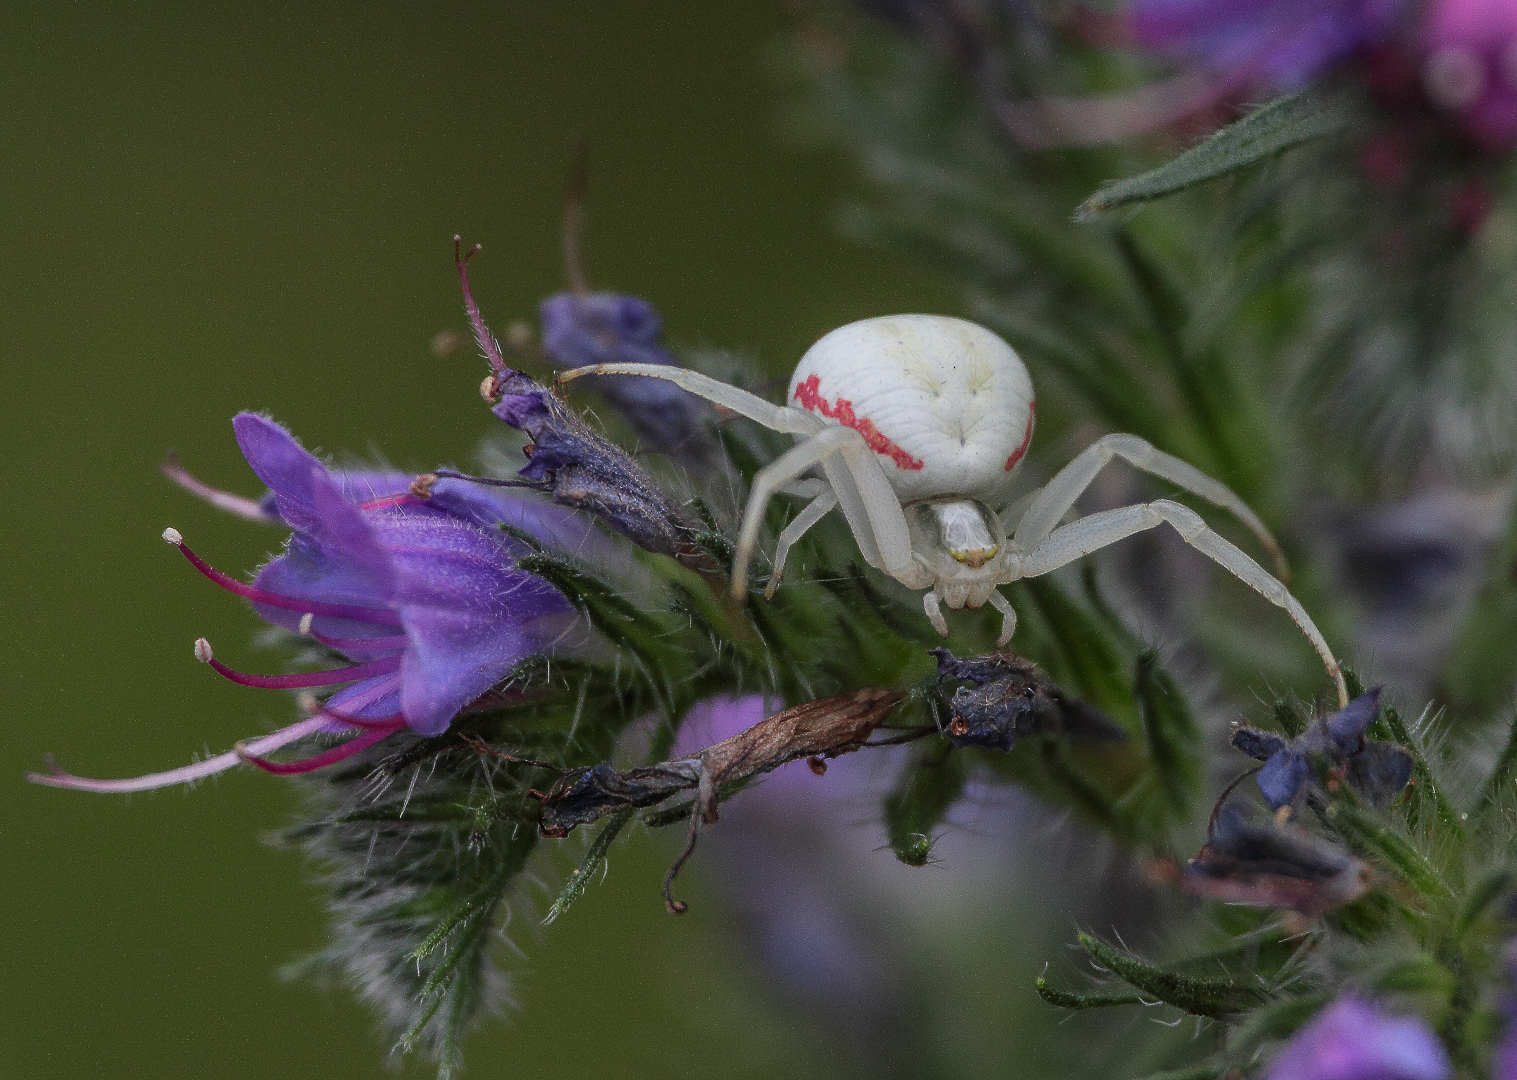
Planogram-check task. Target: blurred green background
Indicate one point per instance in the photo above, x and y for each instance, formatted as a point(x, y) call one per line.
point(204, 212)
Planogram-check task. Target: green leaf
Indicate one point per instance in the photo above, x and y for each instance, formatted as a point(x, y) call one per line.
point(1290, 718)
point(1195, 1072)
point(1373, 838)
point(1501, 776)
point(1066, 999)
point(1196, 994)
point(1268, 130)
point(580, 878)
point(1274, 1020)
point(1486, 891)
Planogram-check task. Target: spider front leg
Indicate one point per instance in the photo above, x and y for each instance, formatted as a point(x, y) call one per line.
point(934, 608)
point(1042, 517)
point(1088, 534)
point(778, 417)
point(770, 479)
point(813, 512)
point(1008, 617)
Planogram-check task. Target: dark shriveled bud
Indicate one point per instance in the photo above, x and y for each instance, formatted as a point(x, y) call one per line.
point(1007, 697)
point(1267, 864)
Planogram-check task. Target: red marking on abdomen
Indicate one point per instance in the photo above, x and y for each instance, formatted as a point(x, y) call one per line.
point(1016, 455)
point(810, 397)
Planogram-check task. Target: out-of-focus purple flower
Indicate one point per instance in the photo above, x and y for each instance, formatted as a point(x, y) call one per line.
point(1471, 66)
point(1283, 43)
point(424, 600)
point(1504, 1054)
point(1377, 769)
point(609, 328)
point(1353, 1039)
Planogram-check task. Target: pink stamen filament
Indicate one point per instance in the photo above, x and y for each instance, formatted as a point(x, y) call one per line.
point(56, 777)
point(262, 596)
point(388, 500)
point(386, 722)
point(308, 678)
point(351, 644)
point(326, 757)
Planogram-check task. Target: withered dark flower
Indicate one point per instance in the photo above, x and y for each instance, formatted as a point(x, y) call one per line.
point(1007, 697)
point(567, 459)
point(1378, 770)
point(1264, 863)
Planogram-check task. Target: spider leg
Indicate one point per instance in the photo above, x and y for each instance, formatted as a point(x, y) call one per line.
point(934, 611)
point(778, 417)
point(1069, 484)
point(809, 516)
point(779, 472)
point(1008, 617)
point(809, 488)
point(852, 505)
point(1087, 534)
point(887, 520)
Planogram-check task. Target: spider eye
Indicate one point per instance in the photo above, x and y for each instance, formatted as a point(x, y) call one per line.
point(967, 531)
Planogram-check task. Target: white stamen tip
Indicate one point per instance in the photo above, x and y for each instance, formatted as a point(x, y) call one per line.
point(171, 536)
point(203, 650)
point(308, 703)
point(305, 624)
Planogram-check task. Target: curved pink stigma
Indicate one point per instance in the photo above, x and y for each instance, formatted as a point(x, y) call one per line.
point(351, 673)
point(243, 507)
point(289, 603)
point(326, 757)
point(482, 336)
point(56, 777)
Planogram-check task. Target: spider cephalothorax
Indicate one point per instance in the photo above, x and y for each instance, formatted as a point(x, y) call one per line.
point(917, 424)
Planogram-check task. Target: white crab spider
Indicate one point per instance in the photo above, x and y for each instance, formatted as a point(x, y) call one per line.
point(918, 424)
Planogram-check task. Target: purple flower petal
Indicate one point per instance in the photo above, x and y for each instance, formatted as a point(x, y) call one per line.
point(1285, 43)
point(1471, 66)
point(1353, 1039)
point(1281, 778)
point(468, 615)
point(606, 328)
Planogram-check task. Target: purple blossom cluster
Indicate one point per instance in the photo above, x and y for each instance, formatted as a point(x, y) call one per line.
point(1464, 52)
point(1282, 43)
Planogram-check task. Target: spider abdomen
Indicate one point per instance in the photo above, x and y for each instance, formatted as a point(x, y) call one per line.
point(945, 403)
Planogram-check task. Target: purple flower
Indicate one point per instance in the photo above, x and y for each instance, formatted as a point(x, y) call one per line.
point(1285, 43)
point(1353, 1039)
point(422, 596)
point(1504, 1053)
point(606, 328)
point(1471, 66)
point(1377, 769)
